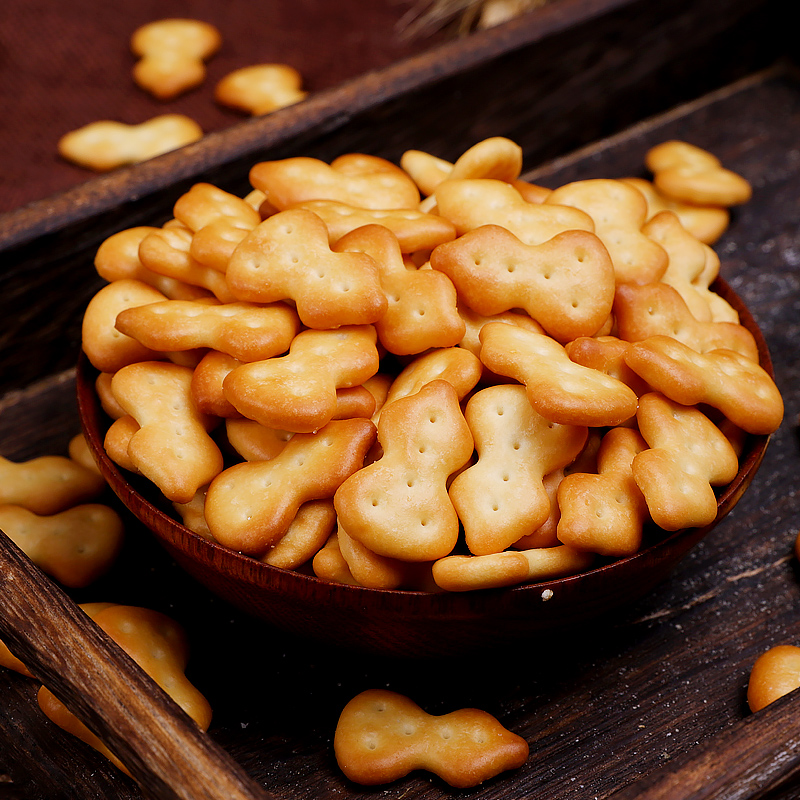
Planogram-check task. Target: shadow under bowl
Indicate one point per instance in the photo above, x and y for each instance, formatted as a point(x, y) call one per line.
point(409, 623)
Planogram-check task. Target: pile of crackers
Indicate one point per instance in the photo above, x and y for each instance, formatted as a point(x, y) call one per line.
point(432, 375)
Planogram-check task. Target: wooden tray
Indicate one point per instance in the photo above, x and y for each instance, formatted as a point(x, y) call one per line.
point(602, 705)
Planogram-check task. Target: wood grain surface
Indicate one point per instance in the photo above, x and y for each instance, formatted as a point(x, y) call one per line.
point(602, 705)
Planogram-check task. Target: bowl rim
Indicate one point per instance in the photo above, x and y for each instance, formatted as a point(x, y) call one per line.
point(177, 536)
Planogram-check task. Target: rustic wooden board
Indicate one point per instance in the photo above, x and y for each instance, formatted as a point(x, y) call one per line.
point(601, 705)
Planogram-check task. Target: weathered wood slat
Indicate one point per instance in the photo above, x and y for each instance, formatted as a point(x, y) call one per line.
point(161, 746)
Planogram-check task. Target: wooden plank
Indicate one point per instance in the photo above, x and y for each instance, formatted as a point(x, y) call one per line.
point(170, 758)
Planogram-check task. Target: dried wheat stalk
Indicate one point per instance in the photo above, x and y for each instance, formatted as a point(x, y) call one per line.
point(463, 16)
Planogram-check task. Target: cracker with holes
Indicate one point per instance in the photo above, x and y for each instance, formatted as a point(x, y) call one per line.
point(723, 379)
point(558, 388)
point(658, 309)
point(687, 456)
point(566, 284)
point(605, 513)
point(287, 257)
point(619, 211)
point(246, 331)
point(501, 497)
point(470, 203)
point(250, 506)
point(171, 446)
point(356, 179)
point(298, 392)
point(398, 506)
point(422, 311)
point(382, 736)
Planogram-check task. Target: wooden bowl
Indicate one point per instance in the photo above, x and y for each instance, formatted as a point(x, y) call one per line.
point(409, 623)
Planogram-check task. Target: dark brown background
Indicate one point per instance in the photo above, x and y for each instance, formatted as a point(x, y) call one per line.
point(63, 65)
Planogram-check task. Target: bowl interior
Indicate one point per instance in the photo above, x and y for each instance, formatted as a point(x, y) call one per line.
point(411, 623)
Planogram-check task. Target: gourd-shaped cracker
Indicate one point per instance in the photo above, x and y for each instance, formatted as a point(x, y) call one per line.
point(205, 203)
point(422, 309)
point(459, 573)
point(468, 204)
point(250, 506)
point(474, 322)
point(459, 367)
point(287, 257)
point(688, 455)
point(219, 221)
point(693, 266)
point(158, 645)
point(357, 179)
point(566, 283)
point(415, 230)
point(657, 308)
point(47, 484)
point(398, 506)
point(370, 569)
point(309, 531)
point(693, 175)
point(167, 251)
point(619, 211)
point(604, 513)
point(298, 392)
point(117, 258)
point(76, 546)
point(606, 354)
point(497, 157)
point(559, 389)
point(724, 379)
point(171, 55)
point(502, 497)
point(213, 245)
point(706, 223)
point(207, 380)
point(260, 88)
point(171, 446)
point(245, 331)
point(382, 736)
point(106, 347)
